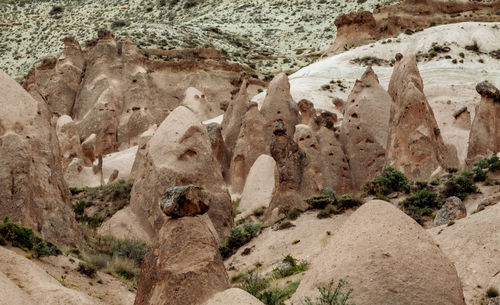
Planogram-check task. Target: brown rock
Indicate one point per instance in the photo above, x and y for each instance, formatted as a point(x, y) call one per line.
point(219, 148)
point(452, 209)
point(249, 146)
point(233, 118)
point(179, 153)
point(483, 137)
point(32, 188)
point(365, 128)
point(415, 145)
point(308, 114)
point(88, 148)
point(312, 181)
point(180, 201)
point(113, 176)
point(184, 267)
point(387, 258)
point(353, 29)
point(290, 161)
point(69, 141)
point(57, 81)
point(196, 101)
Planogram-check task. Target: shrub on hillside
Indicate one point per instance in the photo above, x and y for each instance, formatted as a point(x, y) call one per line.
point(238, 236)
point(332, 295)
point(390, 180)
point(421, 203)
point(459, 185)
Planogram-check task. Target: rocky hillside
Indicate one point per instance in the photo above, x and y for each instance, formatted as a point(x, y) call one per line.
point(269, 35)
point(182, 177)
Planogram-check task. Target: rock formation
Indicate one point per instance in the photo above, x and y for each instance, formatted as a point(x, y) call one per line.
point(184, 266)
point(249, 146)
point(179, 153)
point(233, 117)
point(387, 258)
point(259, 186)
point(312, 181)
point(308, 114)
point(196, 101)
point(233, 296)
point(470, 244)
point(290, 161)
point(415, 145)
point(69, 141)
point(452, 209)
point(112, 90)
point(32, 188)
point(365, 128)
point(483, 138)
point(336, 172)
point(186, 200)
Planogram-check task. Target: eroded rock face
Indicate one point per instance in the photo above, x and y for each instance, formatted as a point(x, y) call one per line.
point(249, 147)
point(452, 209)
point(69, 141)
point(365, 128)
point(387, 258)
point(290, 161)
point(32, 188)
point(483, 138)
point(180, 201)
point(415, 145)
point(354, 29)
point(112, 90)
point(184, 267)
point(57, 81)
point(179, 153)
point(233, 117)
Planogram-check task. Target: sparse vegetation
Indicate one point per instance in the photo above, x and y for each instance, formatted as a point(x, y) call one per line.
point(421, 203)
point(290, 266)
point(390, 180)
point(238, 236)
point(332, 295)
point(260, 287)
point(24, 238)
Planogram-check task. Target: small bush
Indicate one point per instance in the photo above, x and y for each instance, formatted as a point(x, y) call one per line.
point(79, 207)
point(459, 185)
point(421, 203)
point(348, 201)
point(87, 269)
point(473, 47)
point(295, 267)
point(294, 213)
point(253, 283)
point(330, 295)
point(326, 196)
point(129, 248)
point(492, 292)
point(391, 180)
point(238, 236)
point(328, 211)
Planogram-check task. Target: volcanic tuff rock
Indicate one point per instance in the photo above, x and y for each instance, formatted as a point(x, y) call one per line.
point(415, 145)
point(365, 128)
point(233, 117)
point(112, 90)
point(233, 296)
point(32, 188)
point(472, 246)
point(69, 141)
point(179, 153)
point(196, 101)
point(312, 181)
point(249, 147)
point(184, 267)
point(395, 261)
point(259, 186)
point(308, 114)
point(290, 161)
point(483, 138)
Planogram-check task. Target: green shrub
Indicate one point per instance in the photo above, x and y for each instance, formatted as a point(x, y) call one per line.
point(87, 269)
point(391, 180)
point(130, 248)
point(348, 201)
point(294, 213)
point(328, 211)
point(238, 236)
point(459, 185)
point(253, 283)
point(259, 287)
point(79, 207)
point(25, 238)
point(330, 295)
point(294, 267)
point(421, 203)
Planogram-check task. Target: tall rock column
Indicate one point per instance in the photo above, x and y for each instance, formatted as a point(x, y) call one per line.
point(32, 188)
point(415, 145)
point(484, 137)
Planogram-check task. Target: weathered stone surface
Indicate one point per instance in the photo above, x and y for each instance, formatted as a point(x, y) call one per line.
point(249, 147)
point(415, 145)
point(365, 128)
point(233, 296)
point(290, 161)
point(32, 188)
point(387, 258)
point(494, 301)
point(452, 209)
point(184, 267)
point(484, 139)
point(233, 117)
point(179, 153)
point(196, 101)
point(69, 141)
point(308, 114)
point(187, 200)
